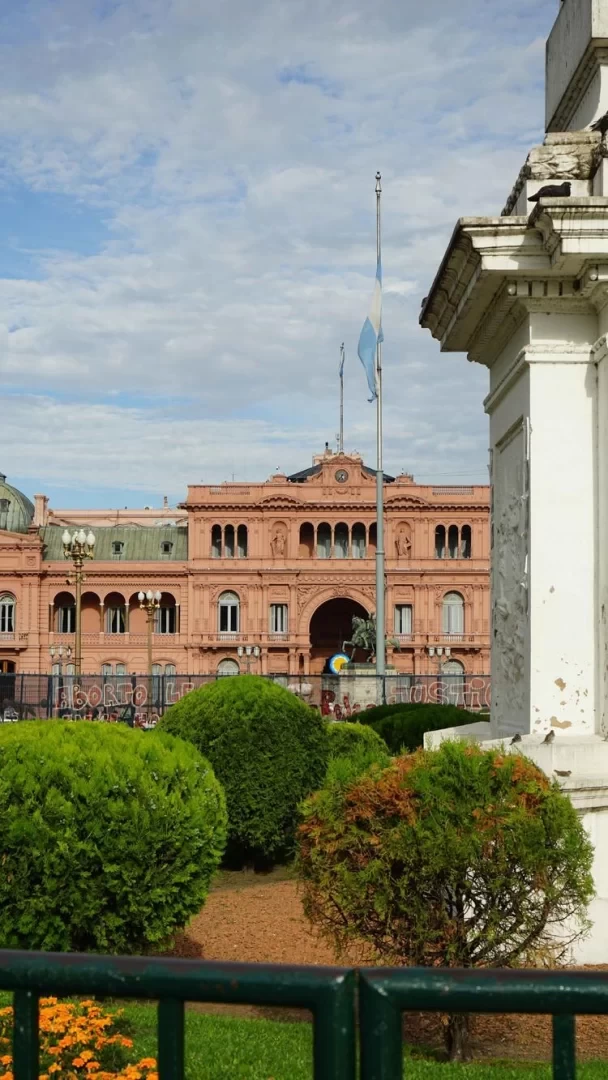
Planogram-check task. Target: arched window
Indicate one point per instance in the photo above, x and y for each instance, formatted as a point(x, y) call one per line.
point(241, 541)
point(229, 541)
point(216, 542)
point(324, 541)
point(453, 541)
point(8, 608)
point(165, 618)
point(113, 669)
point(170, 669)
point(440, 542)
point(65, 613)
point(373, 538)
point(228, 611)
point(452, 683)
point(227, 667)
point(453, 613)
point(307, 540)
point(341, 541)
point(358, 541)
point(116, 614)
point(465, 542)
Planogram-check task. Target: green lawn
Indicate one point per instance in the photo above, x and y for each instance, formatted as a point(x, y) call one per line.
point(230, 1048)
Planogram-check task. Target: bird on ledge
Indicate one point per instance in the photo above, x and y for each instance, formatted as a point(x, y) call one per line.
point(552, 191)
point(601, 124)
point(549, 737)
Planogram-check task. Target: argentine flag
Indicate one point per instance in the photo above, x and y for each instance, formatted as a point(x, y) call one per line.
point(371, 334)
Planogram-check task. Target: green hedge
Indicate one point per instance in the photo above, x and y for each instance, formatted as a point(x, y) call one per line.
point(269, 750)
point(403, 726)
point(109, 837)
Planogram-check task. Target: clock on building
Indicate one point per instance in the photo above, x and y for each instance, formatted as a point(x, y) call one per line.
point(341, 476)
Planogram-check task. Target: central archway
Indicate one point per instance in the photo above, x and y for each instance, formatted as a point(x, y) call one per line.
point(330, 626)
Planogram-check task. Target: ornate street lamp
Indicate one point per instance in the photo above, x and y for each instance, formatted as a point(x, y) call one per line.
point(248, 651)
point(57, 654)
point(78, 547)
point(149, 602)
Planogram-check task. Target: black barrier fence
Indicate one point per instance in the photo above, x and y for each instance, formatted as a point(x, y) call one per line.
point(140, 700)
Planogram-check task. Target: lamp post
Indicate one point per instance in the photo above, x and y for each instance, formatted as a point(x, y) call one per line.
point(78, 547)
point(439, 650)
point(248, 651)
point(57, 654)
point(149, 602)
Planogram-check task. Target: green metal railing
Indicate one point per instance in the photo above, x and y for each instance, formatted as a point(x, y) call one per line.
point(330, 993)
point(384, 994)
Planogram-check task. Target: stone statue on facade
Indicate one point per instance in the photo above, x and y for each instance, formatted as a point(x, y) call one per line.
point(277, 544)
point(403, 545)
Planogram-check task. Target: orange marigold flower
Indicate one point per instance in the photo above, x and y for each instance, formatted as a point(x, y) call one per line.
point(6, 1060)
point(147, 1063)
point(78, 1061)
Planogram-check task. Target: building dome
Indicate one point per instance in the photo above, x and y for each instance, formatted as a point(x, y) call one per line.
point(16, 510)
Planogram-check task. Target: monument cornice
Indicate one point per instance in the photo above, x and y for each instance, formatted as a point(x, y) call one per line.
point(572, 229)
point(540, 263)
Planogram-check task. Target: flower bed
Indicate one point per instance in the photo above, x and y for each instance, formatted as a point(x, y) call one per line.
point(77, 1040)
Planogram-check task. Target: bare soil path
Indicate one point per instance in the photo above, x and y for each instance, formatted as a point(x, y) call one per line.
point(258, 918)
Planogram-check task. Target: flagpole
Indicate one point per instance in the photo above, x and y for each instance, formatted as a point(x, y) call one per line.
point(341, 436)
point(380, 614)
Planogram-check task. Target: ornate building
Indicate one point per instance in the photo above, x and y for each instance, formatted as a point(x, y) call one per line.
point(281, 565)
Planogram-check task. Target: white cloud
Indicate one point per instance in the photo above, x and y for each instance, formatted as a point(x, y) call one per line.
point(227, 155)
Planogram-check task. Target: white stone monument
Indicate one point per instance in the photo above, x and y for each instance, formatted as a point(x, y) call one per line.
point(526, 294)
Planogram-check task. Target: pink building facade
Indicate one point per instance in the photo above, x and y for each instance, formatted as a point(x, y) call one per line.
point(278, 567)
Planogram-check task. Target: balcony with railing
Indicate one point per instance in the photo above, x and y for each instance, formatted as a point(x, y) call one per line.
point(14, 639)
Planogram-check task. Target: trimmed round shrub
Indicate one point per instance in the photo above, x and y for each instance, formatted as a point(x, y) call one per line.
point(403, 726)
point(109, 837)
point(346, 739)
point(455, 857)
point(267, 748)
point(353, 750)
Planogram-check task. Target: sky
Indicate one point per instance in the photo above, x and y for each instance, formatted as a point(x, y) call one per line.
point(187, 231)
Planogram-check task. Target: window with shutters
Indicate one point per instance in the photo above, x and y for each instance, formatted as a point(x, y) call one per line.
point(403, 618)
point(453, 613)
point(8, 608)
point(278, 618)
point(228, 610)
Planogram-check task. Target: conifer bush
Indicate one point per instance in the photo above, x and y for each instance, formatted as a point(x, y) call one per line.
point(268, 749)
point(455, 857)
point(109, 837)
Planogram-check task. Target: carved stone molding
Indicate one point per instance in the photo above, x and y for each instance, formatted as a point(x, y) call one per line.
point(569, 155)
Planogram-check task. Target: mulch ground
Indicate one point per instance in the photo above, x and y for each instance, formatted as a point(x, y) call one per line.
point(259, 919)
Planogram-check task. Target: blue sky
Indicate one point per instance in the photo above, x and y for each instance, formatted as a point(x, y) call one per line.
point(187, 230)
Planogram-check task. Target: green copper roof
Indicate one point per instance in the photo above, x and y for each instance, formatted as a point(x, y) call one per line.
point(16, 510)
point(146, 543)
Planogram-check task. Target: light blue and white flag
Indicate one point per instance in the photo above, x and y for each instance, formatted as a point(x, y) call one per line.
point(341, 372)
point(371, 334)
